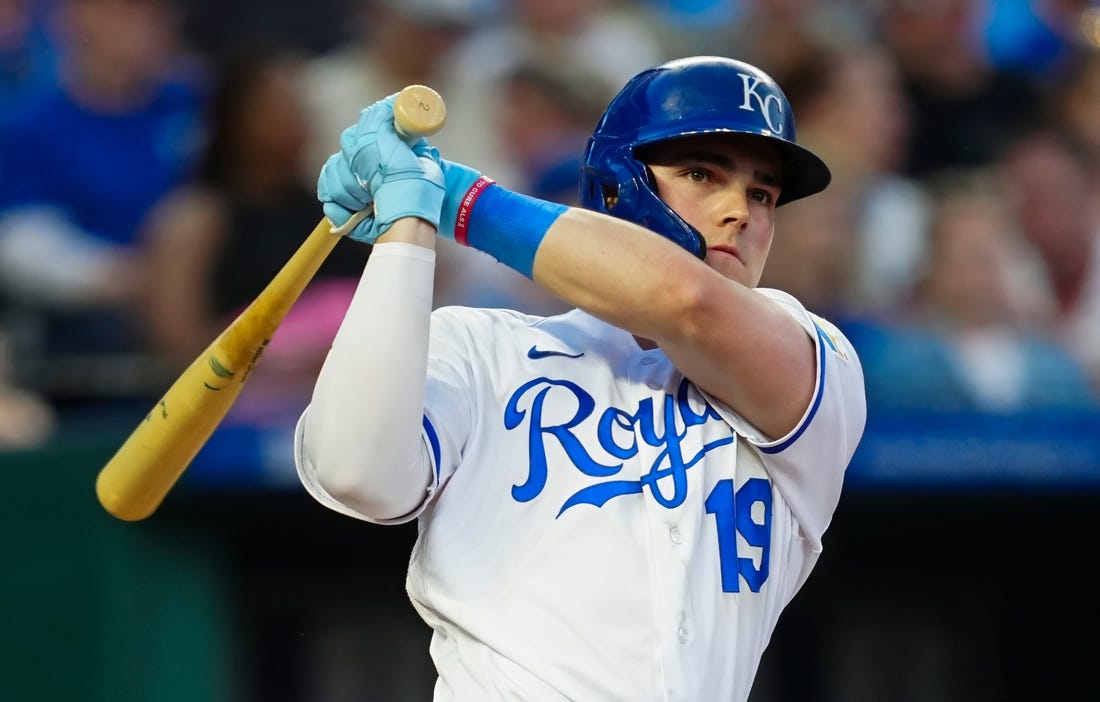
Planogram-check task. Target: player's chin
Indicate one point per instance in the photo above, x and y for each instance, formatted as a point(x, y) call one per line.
point(728, 265)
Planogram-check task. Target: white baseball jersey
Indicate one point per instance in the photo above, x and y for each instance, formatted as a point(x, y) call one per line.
point(599, 528)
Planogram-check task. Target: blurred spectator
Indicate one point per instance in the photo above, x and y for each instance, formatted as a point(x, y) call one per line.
point(216, 243)
point(963, 107)
point(973, 341)
point(27, 64)
point(772, 33)
point(550, 107)
point(1036, 37)
point(26, 420)
point(693, 27)
point(1075, 103)
point(813, 253)
point(601, 38)
point(83, 162)
point(27, 57)
point(218, 28)
point(394, 43)
point(1053, 187)
point(851, 111)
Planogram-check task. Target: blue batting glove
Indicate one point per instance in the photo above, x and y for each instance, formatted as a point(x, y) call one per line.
point(375, 165)
point(342, 196)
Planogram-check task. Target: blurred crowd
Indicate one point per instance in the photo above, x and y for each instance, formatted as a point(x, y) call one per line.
point(158, 161)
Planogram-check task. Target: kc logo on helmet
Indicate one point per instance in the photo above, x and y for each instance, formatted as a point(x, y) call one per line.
point(770, 105)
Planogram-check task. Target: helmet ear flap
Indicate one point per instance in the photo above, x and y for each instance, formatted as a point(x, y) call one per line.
point(636, 190)
point(615, 183)
point(598, 191)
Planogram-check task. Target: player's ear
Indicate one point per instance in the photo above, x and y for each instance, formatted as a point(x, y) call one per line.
point(610, 195)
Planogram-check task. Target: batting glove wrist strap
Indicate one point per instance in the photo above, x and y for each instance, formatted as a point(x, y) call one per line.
point(461, 182)
point(506, 225)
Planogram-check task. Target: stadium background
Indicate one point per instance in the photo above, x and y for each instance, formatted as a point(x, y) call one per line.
point(957, 567)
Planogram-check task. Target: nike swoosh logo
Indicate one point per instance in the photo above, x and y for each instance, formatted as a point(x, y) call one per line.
point(536, 353)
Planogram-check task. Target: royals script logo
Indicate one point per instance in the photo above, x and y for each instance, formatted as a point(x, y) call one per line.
point(617, 432)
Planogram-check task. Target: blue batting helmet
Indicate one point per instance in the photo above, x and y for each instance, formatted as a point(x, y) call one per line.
point(700, 95)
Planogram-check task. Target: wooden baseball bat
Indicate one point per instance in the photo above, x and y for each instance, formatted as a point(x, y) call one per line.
point(136, 480)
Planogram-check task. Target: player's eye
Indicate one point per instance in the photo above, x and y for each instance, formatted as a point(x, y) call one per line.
point(697, 175)
point(764, 197)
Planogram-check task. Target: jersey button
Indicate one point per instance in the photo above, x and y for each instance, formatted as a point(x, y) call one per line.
point(682, 634)
point(676, 535)
point(653, 385)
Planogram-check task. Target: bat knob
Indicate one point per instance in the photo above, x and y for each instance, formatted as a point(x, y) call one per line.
point(418, 111)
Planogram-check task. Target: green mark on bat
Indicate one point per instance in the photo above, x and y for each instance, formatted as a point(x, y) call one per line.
point(219, 370)
point(163, 412)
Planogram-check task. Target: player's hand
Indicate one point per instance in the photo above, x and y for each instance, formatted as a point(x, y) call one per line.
point(376, 166)
point(342, 196)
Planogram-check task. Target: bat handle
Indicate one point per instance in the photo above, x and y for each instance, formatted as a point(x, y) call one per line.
point(353, 221)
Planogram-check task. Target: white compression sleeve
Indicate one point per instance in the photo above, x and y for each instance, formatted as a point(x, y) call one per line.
point(361, 435)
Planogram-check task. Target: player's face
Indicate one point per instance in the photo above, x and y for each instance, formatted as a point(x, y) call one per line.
point(726, 186)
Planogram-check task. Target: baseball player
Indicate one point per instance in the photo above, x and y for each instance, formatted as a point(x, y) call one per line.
point(615, 503)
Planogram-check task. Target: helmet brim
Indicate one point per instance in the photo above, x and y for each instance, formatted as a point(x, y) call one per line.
point(804, 173)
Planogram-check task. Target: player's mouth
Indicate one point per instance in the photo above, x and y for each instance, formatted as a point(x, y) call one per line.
point(724, 250)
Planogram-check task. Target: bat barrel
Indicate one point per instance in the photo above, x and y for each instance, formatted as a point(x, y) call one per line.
point(136, 480)
point(138, 477)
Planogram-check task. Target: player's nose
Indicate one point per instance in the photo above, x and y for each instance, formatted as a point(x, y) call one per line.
point(732, 208)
